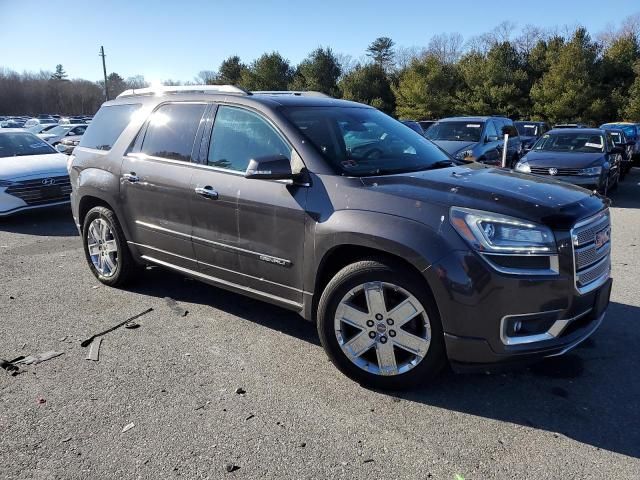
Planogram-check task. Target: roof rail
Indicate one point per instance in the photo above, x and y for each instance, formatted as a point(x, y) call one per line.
point(162, 89)
point(299, 93)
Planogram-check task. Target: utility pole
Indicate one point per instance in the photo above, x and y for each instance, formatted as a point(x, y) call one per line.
point(104, 70)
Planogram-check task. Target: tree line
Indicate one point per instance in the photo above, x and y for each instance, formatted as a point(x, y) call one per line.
point(554, 75)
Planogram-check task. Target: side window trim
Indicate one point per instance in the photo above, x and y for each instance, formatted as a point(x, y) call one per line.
point(206, 145)
point(142, 133)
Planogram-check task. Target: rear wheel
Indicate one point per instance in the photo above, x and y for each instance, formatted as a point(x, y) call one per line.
point(105, 248)
point(379, 326)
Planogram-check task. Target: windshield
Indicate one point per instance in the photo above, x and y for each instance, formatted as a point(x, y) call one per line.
point(570, 142)
point(455, 131)
point(18, 144)
point(365, 141)
point(617, 138)
point(60, 129)
point(527, 129)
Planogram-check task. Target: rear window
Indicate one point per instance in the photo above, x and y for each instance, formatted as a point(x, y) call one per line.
point(107, 126)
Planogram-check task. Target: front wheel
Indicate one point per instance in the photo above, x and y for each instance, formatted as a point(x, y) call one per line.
point(379, 325)
point(105, 248)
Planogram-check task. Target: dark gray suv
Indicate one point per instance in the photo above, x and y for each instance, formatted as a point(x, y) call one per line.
point(404, 258)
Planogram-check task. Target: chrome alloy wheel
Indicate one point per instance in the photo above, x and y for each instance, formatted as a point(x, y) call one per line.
point(102, 246)
point(382, 328)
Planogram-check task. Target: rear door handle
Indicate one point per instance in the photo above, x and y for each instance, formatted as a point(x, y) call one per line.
point(131, 177)
point(207, 192)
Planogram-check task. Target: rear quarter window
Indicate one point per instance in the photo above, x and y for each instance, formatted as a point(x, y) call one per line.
point(107, 125)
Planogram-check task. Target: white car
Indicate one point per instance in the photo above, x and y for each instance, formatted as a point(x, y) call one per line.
point(41, 127)
point(56, 134)
point(32, 173)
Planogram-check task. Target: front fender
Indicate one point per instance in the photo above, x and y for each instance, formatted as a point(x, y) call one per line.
point(419, 244)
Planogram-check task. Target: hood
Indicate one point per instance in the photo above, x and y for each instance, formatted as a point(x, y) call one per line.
point(529, 197)
point(453, 147)
point(563, 159)
point(16, 168)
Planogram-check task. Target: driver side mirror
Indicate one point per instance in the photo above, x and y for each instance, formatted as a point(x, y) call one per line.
point(491, 138)
point(61, 148)
point(272, 167)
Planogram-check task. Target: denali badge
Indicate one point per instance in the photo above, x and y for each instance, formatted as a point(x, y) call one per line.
point(48, 181)
point(553, 171)
point(602, 237)
point(277, 261)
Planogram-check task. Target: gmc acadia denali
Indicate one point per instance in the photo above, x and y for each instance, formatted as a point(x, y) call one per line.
point(404, 257)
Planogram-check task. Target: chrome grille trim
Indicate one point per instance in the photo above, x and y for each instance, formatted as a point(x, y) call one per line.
point(30, 191)
point(561, 171)
point(592, 266)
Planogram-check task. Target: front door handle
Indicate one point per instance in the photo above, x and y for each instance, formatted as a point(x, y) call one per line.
point(131, 177)
point(207, 192)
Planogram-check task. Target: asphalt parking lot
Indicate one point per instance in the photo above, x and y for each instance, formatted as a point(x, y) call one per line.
point(175, 378)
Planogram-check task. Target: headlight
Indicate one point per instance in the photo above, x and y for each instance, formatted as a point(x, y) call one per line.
point(493, 233)
point(591, 171)
point(465, 155)
point(523, 166)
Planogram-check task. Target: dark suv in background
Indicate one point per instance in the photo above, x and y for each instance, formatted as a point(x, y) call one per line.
point(477, 139)
point(403, 257)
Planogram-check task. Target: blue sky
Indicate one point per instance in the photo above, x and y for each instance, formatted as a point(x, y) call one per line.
point(177, 39)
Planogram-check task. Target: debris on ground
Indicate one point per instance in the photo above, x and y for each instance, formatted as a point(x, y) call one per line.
point(302, 444)
point(41, 400)
point(65, 440)
point(128, 427)
point(10, 367)
point(175, 308)
point(35, 359)
point(229, 467)
point(131, 325)
point(94, 351)
point(88, 341)
point(240, 391)
point(250, 417)
point(368, 460)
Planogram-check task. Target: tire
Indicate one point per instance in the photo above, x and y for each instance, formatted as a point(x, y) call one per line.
point(392, 284)
point(109, 251)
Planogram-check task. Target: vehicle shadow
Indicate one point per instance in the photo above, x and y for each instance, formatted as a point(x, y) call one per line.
point(162, 283)
point(49, 222)
point(588, 395)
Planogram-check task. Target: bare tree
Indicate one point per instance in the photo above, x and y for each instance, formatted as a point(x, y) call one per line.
point(446, 47)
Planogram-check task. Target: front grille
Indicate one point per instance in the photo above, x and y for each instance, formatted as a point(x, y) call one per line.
point(592, 251)
point(561, 171)
point(35, 192)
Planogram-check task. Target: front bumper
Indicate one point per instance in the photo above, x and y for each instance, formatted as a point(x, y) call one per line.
point(476, 303)
point(581, 181)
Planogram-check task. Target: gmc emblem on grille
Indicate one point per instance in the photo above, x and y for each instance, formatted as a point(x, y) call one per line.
point(602, 237)
point(49, 181)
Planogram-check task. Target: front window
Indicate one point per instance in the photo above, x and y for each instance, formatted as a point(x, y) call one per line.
point(364, 141)
point(19, 144)
point(571, 142)
point(456, 131)
point(617, 138)
point(527, 129)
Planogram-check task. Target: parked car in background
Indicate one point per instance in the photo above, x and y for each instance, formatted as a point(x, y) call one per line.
point(68, 144)
point(42, 127)
point(32, 173)
point(586, 157)
point(12, 122)
point(413, 125)
point(477, 139)
point(403, 257)
point(426, 124)
point(570, 125)
point(71, 121)
point(57, 133)
point(620, 139)
point(631, 131)
point(530, 132)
